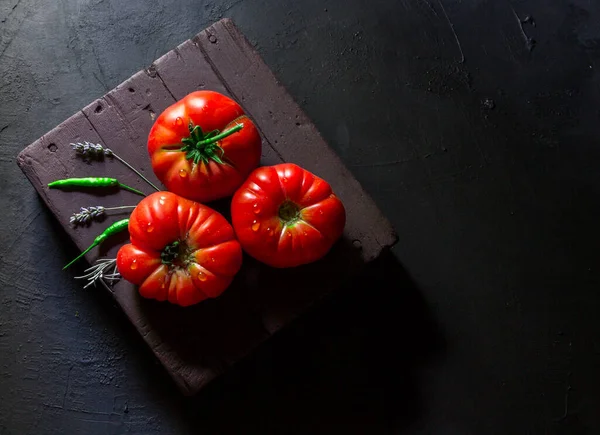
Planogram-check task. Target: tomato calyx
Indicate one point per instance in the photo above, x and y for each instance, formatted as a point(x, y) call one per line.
point(203, 147)
point(289, 212)
point(175, 254)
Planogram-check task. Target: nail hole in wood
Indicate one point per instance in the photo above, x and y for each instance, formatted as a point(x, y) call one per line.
point(131, 90)
point(52, 147)
point(212, 39)
point(98, 108)
point(151, 71)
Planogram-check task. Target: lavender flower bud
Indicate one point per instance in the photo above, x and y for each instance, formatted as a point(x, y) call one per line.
point(90, 150)
point(87, 214)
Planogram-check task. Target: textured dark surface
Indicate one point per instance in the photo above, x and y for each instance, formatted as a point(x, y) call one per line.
point(487, 168)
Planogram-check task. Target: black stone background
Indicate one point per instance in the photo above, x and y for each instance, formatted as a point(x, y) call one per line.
point(480, 144)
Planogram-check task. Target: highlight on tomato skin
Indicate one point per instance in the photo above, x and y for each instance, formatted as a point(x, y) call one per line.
point(181, 251)
point(204, 146)
point(285, 216)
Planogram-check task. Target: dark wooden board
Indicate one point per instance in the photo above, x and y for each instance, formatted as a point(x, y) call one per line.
point(198, 343)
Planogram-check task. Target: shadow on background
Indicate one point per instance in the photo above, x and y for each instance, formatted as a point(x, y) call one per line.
point(350, 364)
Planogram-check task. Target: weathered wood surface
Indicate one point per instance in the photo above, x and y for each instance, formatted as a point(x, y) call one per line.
point(198, 343)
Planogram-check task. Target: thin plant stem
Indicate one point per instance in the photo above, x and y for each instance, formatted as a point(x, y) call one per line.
point(87, 214)
point(100, 271)
point(120, 208)
point(136, 171)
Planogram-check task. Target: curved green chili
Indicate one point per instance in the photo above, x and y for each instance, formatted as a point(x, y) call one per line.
point(93, 182)
point(115, 228)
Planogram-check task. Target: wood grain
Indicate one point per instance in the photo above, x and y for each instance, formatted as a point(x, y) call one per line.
point(196, 344)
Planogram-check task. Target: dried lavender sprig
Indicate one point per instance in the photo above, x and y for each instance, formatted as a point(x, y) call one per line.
point(99, 271)
point(98, 151)
point(87, 214)
point(90, 150)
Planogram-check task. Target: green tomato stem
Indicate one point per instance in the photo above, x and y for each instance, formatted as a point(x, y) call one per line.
point(289, 212)
point(221, 135)
point(201, 147)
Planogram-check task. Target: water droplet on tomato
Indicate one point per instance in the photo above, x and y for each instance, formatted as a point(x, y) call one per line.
point(162, 200)
point(163, 285)
point(304, 233)
point(289, 234)
point(255, 226)
point(178, 121)
point(256, 208)
point(133, 265)
point(201, 276)
point(149, 228)
point(320, 212)
point(183, 173)
point(284, 179)
point(212, 259)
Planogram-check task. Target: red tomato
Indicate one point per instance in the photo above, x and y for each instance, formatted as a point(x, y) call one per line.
point(180, 251)
point(285, 216)
point(203, 147)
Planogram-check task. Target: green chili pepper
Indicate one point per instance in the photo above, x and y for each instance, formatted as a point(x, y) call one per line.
point(113, 229)
point(93, 182)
